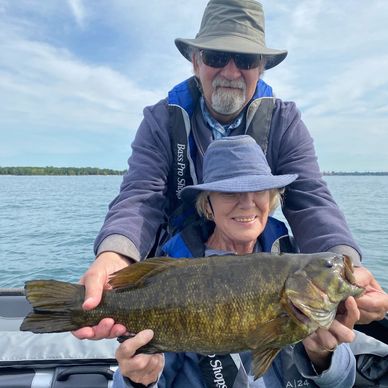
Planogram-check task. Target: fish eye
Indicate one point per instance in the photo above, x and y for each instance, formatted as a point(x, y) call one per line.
point(328, 264)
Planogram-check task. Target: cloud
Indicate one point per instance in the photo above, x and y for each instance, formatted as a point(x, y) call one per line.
point(55, 88)
point(79, 69)
point(327, 39)
point(73, 90)
point(78, 11)
point(335, 74)
point(353, 91)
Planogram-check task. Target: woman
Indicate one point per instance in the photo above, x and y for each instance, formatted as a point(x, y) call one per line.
point(237, 196)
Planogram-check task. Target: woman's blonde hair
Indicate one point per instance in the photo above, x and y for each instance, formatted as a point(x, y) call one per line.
point(275, 199)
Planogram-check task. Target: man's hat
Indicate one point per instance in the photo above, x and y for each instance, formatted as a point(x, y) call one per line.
point(234, 26)
point(236, 164)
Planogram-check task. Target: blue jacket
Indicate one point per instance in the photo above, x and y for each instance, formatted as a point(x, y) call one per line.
point(182, 369)
point(190, 242)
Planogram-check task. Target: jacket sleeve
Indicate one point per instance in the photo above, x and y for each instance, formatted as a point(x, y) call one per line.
point(315, 219)
point(119, 381)
point(172, 367)
point(341, 372)
point(139, 209)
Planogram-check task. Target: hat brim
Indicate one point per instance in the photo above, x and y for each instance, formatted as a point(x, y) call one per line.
point(232, 44)
point(249, 183)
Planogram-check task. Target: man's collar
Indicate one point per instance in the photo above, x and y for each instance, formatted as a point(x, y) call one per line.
point(219, 130)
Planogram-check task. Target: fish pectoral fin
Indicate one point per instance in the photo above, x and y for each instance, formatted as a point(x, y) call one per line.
point(124, 337)
point(149, 348)
point(136, 274)
point(264, 342)
point(262, 360)
point(268, 333)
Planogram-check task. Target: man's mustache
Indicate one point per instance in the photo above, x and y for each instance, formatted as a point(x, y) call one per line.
point(222, 82)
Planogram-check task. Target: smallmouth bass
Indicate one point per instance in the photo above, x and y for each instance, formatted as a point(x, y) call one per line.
point(214, 305)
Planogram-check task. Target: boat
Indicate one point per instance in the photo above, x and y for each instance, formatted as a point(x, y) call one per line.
point(59, 360)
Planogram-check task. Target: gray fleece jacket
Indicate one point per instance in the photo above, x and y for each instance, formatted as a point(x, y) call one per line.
point(135, 215)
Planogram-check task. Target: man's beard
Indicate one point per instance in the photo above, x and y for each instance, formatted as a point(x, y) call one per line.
point(228, 101)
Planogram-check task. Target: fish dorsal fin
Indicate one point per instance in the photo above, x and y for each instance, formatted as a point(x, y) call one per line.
point(262, 360)
point(136, 274)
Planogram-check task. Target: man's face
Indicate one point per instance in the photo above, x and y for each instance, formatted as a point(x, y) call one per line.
point(226, 90)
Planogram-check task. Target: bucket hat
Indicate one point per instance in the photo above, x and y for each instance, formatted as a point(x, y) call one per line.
point(236, 164)
point(233, 26)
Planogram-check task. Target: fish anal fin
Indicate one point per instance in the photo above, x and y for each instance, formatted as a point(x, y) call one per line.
point(136, 274)
point(262, 360)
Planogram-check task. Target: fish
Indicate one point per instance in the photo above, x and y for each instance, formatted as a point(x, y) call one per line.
point(259, 302)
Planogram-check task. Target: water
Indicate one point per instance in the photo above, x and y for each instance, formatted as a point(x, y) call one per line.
point(363, 201)
point(48, 223)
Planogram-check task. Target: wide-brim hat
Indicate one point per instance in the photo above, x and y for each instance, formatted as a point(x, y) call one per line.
point(234, 26)
point(236, 164)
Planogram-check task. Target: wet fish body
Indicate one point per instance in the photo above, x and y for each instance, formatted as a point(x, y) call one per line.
point(215, 305)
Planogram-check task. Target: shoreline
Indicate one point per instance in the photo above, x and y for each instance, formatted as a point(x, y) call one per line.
point(58, 171)
point(83, 171)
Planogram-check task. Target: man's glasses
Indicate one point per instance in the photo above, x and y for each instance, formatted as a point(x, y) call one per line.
point(220, 59)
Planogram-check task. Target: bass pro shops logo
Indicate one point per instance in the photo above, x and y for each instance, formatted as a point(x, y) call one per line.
point(181, 166)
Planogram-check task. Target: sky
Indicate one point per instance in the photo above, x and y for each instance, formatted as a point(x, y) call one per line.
point(75, 76)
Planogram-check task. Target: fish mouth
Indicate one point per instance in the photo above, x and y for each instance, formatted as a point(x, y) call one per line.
point(308, 311)
point(310, 316)
point(312, 294)
point(298, 314)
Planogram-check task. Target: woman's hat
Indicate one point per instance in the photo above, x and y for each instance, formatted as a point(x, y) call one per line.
point(236, 164)
point(233, 26)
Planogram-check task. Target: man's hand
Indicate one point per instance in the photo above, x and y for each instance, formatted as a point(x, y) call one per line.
point(95, 280)
point(140, 368)
point(373, 304)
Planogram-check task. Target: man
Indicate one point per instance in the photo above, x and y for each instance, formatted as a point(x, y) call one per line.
point(223, 99)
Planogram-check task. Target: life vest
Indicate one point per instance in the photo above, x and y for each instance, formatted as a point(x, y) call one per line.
point(182, 101)
point(190, 242)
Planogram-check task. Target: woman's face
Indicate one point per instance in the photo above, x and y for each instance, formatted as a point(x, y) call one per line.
point(239, 217)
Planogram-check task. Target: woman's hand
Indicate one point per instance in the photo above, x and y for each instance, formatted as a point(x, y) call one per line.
point(322, 343)
point(139, 368)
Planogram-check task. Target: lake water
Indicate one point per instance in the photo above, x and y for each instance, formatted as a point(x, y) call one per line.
point(48, 223)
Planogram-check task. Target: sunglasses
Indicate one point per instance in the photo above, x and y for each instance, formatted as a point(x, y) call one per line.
point(219, 59)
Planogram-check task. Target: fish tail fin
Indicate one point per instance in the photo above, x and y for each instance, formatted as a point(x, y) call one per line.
point(54, 305)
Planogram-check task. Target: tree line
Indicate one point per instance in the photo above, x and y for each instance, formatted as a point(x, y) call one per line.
point(49, 170)
point(356, 173)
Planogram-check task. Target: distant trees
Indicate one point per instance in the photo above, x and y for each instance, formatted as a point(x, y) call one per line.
point(49, 170)
point(356, 173)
